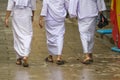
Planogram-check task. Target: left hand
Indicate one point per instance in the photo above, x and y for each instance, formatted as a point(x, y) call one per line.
point(32, 18)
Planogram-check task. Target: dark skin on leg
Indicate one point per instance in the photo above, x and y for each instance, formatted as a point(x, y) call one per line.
point(88, 59)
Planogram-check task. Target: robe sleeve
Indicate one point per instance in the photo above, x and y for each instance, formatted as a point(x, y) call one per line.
point(73, 8)
point(10, 5)
point(101, 5)
point(33, 2)
point(44, 8)
point(66, 4)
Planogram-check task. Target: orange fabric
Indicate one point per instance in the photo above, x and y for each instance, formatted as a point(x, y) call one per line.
point(115, 20)
point(118, 13)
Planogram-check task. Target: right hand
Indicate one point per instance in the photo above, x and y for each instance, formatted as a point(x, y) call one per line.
point(6, 22)
point(41, 23)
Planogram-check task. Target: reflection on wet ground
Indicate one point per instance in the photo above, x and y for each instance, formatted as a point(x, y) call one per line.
point(56, 72)
point(106, 64)
point(22, 75)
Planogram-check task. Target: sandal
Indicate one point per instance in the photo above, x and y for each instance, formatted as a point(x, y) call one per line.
point(19, 62)
point(60, 62)
point(25, 64)
point(48, 59)
point(89, 61)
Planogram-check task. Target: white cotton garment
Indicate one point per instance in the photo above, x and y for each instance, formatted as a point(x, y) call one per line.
point(21, 3)
point(54, 10)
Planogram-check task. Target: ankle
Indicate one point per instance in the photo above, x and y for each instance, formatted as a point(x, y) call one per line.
point(59, 57)
point(50, 56)
point(88, 56)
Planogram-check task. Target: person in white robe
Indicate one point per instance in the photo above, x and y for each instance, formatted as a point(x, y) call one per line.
point(86, 11)
point(54, 13)
point(22, 13)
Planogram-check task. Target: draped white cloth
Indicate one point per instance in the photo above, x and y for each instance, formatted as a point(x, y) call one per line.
point(85, 8)
point(86, 12)
point(22, 27)
point(21, 3)
point(54, 9)
point(87, 30)
point(22, 32)
point(73, 8)
point(54, 12)
point(55, 36)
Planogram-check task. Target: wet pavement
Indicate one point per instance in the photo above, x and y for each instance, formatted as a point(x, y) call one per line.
point(106, 64)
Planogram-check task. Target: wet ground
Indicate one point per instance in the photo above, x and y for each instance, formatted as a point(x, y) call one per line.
point(106, 64)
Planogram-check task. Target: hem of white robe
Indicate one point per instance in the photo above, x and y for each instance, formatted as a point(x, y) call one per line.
point(87, 52)
point(22, 54)
point(55, 54)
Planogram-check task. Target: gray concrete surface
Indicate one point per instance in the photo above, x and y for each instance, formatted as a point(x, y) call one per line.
point(106, 64)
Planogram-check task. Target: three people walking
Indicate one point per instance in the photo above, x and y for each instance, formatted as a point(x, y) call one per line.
point(53, 13)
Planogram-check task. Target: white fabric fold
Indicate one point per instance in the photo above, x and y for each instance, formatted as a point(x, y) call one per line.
point(21, 3)
point(73, 5)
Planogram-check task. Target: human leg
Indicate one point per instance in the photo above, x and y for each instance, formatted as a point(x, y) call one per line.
point(87, 30)
point(55, 36)
point(25, 61)
point(22, 33)
point(59, 60)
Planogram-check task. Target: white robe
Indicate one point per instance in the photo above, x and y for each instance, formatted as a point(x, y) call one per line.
point(21, 3)
point(86, 11)
point(85, 8)
point(54, 9)
point(22, 27)
point(54, 12)
point(55, 36)
point(87, 31)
